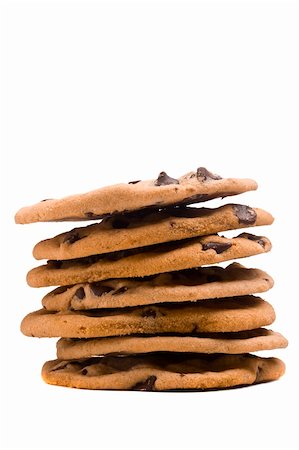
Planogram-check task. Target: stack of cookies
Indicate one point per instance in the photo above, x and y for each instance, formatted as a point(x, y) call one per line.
point(134, 308)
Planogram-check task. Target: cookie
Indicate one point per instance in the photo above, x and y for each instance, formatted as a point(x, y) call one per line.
point(193, 187)
point(161, 372)
point(159, 258)
point(229, 343)
point(187, 285)
point(225, 315)
point(122, 232)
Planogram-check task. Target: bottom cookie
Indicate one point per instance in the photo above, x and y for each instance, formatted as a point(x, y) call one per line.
point(163, 371)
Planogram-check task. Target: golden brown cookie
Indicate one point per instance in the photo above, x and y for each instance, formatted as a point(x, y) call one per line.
point(229, 343)
point(193, 187)
point(186, 285)
point(161, 372)
point(223, 315)
point(122, 232)
point(160, 258)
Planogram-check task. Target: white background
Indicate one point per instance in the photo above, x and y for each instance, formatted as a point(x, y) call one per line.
point(95, 93)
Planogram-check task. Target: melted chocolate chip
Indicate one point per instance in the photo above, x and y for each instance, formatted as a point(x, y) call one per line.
point(99, 289)
point(84, 372)
point(120, 290)
point(163, 180)
point(72, 237)
point(80, 293)
point(147, 385)
point(252, 237)
point(134, 182)
point(149, 313)
point(219, 247)
point(203, 175)
point(120, 222)
point(60, 290)
point(245, 214)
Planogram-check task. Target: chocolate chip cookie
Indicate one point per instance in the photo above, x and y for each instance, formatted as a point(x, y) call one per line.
point(181, 286)
point(229, 343)
point(214, 315)
point(160, 258)
point(122, 232)
point(134, 308)
point(161, 372)
point(193, 187)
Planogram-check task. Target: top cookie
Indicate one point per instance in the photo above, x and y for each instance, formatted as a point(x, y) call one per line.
point(193, 187)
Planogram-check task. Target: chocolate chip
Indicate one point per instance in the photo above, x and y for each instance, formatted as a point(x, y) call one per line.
point(120, 290)
point(219, 247)
point(71, 237)
point(147, 385)
point(252, 237)
point(163, 180)
point(80, 293)
point(134, 182)
point(203, 175)
point(149, 313)
point(245, 214)
point(60, 290)
point(120, 222)
point(46, 200)
point(99, 289)
point(84, 372)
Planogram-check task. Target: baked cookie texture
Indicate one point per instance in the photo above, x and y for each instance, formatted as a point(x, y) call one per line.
point(170, 256)
point(193, 187)
point(195, 284)
point(227, 314)
point(162, 372)
point(140, 301)
point(227, 343)
point(122, 232)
